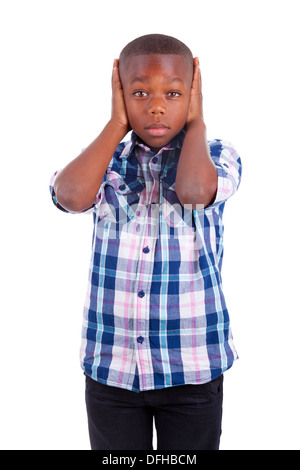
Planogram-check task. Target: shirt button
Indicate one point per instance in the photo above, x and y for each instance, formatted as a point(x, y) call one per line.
point(146, 250)
point(141, 294)
point(154, 160)
point(122, 187)
point(140, 339)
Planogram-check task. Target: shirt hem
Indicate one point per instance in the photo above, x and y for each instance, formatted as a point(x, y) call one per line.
point(111, 383)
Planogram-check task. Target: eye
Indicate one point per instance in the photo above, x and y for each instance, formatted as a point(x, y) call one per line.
point(174, 94)
point(140, 94)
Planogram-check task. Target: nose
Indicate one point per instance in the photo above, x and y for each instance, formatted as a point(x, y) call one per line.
point(157, 106)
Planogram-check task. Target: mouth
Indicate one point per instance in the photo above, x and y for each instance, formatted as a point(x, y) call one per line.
point(157, 130)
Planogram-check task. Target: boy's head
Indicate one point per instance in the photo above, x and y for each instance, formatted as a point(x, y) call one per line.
point(156, 72)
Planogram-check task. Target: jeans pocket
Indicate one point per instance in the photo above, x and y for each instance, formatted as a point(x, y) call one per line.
point(93, 387)
point(214, 389)
point(88, 383)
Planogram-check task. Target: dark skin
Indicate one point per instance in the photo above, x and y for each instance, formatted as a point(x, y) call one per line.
point(156, 91)
point(156, 96)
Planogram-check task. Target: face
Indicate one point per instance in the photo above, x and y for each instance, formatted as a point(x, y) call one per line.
point(157, 95)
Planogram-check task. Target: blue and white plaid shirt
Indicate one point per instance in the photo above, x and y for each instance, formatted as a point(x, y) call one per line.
point(155, 314)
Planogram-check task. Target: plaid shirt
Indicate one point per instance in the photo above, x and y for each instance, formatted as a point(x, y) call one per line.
point(155, 314)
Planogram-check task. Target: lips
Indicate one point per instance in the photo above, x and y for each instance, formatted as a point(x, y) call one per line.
point(157, 129)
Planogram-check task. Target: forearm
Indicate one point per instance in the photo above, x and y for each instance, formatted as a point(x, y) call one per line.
point(77, 184)
point(196, 179)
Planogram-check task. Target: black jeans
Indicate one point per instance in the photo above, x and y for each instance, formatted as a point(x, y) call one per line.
point(187, 417)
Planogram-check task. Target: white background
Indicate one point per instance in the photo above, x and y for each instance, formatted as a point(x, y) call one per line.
point(56, 61)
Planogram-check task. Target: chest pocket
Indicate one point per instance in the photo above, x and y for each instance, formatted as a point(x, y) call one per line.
point(120, 197)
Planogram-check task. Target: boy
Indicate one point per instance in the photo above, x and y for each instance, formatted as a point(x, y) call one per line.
point(155, 318)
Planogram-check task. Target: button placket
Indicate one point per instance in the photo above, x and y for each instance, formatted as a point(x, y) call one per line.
point(146, 253)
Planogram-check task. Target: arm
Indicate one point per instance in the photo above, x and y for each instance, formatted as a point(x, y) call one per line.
point(77, 184)
point(196, 179)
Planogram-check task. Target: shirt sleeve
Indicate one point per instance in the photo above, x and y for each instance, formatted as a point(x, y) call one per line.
point(229, 168)
point(100, 193)
point(60, 207)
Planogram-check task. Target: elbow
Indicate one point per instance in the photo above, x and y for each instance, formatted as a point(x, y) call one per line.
point(199, 198)
point(68, 198)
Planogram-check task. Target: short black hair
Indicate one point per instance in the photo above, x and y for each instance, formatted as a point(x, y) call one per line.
point(156, 44)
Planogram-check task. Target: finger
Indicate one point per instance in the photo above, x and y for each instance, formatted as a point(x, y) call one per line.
point(196, 71)
point(116, 74)
point(197, 83)
point(113, 73)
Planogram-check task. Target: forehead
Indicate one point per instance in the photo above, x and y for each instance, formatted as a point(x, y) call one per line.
point(148, 67)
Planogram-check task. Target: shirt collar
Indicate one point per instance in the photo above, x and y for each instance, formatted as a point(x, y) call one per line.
point(171, 156)
point(176, 142)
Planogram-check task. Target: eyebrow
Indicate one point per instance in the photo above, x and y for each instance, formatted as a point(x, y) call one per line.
point(147, 80)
